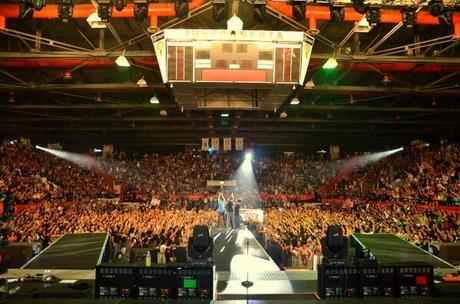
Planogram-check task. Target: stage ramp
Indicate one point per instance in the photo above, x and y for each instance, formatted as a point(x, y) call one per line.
point(390, 250)
point(72, 251)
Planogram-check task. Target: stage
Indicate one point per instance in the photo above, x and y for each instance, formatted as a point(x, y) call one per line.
point(238, 257)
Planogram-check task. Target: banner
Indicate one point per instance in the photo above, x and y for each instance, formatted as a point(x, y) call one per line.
point(239, 144)
point(204, 144)
point(159, 44)
point(227, 144)
point(215, 143)
point(335, 152)
point(107, 150)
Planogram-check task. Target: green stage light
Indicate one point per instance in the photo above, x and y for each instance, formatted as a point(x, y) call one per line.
point(330, 64)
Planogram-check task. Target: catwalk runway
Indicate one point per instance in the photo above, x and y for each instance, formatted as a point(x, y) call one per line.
point(231, 254)
point(71, 251)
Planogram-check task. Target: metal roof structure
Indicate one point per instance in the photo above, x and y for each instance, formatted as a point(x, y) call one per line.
point(395, 83)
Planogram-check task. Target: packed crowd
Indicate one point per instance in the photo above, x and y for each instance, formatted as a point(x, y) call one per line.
point(68, 196)
point(299, 230)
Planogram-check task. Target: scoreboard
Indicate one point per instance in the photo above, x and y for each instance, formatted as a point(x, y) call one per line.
point(229, 56)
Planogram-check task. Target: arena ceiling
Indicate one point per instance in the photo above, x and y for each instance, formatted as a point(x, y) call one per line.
point(59, 81)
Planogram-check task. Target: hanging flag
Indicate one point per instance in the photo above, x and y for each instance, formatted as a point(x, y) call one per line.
point(205, 144)
point(215, 143)
point(239, 144)
point(335, 152)
point(227, 144)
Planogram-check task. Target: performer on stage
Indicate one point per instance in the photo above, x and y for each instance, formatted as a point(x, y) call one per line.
point(229, 212)
point(236, 214)
point(221, 202)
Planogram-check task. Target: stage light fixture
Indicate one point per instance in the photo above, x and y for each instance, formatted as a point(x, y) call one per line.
point(373, 15)
point(299, 9)
point(330, 64)
point(409, 16)
point(38, 4)
point(141, 83)
point(219, 10)
point(446, 18)
point(436, 7)
point(26, 10)
point(141, 9)
point(181, 8)
point(259, 10)
point(122, 61)
point(154, 100)
point(95, 21)
point(360, 6)
point(104, 10)
point(65, 9)
point(295, 101)
point(120, 4)
point(337, 12)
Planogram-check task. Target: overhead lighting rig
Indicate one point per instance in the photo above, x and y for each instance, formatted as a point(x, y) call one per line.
point(141, 9)
point(259, 9)
point(120, 4)
point(181, 7)
point(219, 10)
point(104, 10)
point(337, 12)
point(27, 7)
point(299, 9)
point(409, 16)
point(360, 6)
point(373, 14)
point(436, 7)
point(65, 9)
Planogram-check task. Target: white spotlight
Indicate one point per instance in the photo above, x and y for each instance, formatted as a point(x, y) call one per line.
point(295, 101)
point(95, 21)
point(248, 156)
point(141, 83)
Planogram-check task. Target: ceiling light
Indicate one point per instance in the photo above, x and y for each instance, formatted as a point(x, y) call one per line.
point(330, 64)
point(95, 21)
point(352, 99)
point(67, 75)
point(154, 100)
point(259, 10)
point(104, 9)
point(141, 10)
point(283, 115)
point(219, 10)
point(373, 15)
point(98, 97)
point(436, 7)
point(181, 8)
point(295, 101)
point(234, 24)
point(163, 113)
point(224, 115)
point(310, 84)
point(363, 26)
point(141, 83)
point(65, 10)
point(122, 61)
point(337, 12)
point(299, 9)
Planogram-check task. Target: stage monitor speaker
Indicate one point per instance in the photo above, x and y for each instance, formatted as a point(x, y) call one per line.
point(200, 245)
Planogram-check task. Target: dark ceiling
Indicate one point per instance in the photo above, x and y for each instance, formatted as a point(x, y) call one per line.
point(352, 106)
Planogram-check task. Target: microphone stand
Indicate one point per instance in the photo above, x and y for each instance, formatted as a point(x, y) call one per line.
point(247, 284)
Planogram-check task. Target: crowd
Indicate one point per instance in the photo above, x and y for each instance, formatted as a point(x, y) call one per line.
point(298, 230)
point(174, 196)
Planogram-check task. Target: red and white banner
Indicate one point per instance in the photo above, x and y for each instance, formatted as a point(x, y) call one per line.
point(239, 144)
point(215, 143)
point(205, 144)
point(227, 144)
